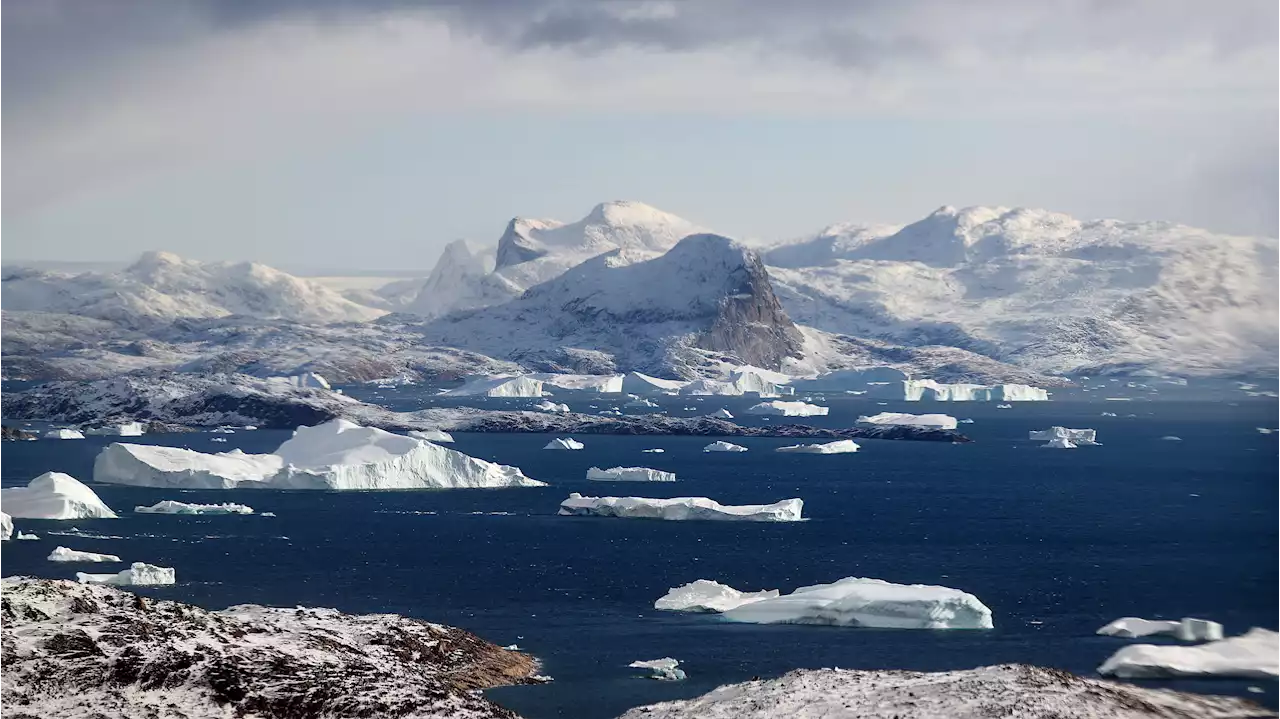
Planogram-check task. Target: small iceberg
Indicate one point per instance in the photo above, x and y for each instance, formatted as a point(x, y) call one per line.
point(721, 413)
point(24, 535)
point(842, 446)
point(63, 434)
point(127, 429)
point(681, 509)
point(629, 474)
point(723, 446)
point(1004, 406)
point(566, 443)
point(641, 402)
point(964, 421)
point(1077, 437)
point(140, 574)
point(1253, 655)
point(62, 554)
point(1264, 430)
point(905, 419)
point(545, 406)
point(431, 435)
point(655, 450)
point(54, 495)
point(218, 439)
point(860, 602)
point(222, 430)
point(665, 669)
point(1108, 414)
point(779, 408)
point(705, 595)
point(1171, 438)
point(170, 506)
point(1133, 627)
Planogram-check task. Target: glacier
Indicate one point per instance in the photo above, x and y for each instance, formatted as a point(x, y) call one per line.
point(1253, 655)
point(705, 595)
point(169, 506)
point(62, 554)
point(680, 508)
point(840, 446)
point(778, 408)
point(138, 574)
point(54, 495)
point(861, 602)
point(903, 419)
point(722, 446)
point(565, 443)
point(629, 474)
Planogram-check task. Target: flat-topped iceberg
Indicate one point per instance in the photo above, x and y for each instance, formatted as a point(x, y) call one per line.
point(431, 435)
point(143, 465)
point(629, 474)
point(779, 408)
point(140, 574)
point(916, 390)
point(1253, 655)
point(170, 506)
point(498, 386)
point(840, 446)
point(904, 419)
point(1075, 436)
point(681, 508)
point(545, 406)
point(860, 602)
point(54, 495)
point(64, 434)
point(665, 669)
point(705, 595)
point(127, 429)
point(1188, 629)
point(592, 383)
point(723, 446)
point(564, 443)
point(62, 554)
point(721, 413)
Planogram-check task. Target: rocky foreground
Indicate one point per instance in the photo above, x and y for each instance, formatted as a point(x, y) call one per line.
point(75, 650)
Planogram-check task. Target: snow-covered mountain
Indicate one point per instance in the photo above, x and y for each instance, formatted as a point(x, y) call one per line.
point(161, 287)
point(1045, 291)
point(840, 241)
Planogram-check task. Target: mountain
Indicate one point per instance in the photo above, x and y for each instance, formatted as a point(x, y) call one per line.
point(837, 242)
point(1047, 292)
point(707, 299)
point(161, 287)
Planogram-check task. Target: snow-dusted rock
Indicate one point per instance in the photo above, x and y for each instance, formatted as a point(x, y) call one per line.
point(431, 435)
point(126, 429)
point(840, 446)
point(1017, 691)
point(170, 506)
point(63, 434)
point(138, 574)
point(1075, 436)
point(62, 554)
point(564, 443)
point(545, 406)
point(143, 465)
point(629, 474)
point(665, 669)
point(723, 446)
point(54, 495)
point(779, 408)
point(499, 386)
point(681, 508)
point(860, 602)
point(705, 595)
point(721, 413)
point(6, 526)
point(1255, 654)
point(903, 419)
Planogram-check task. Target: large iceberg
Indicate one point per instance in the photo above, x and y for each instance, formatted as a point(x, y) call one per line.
point(54, 495)
point(144, 465)
point(170, 506)
point(665, 669)
point(860, 602)
point(62, 554)
point(778, 408)
point(1188, 629)
point(593, 383)
point(140, 574)
point(840, 446)
point(636, 383)
point(63, 434)
point(723, 446)
point(629, 474)
point(1074, 436)
point(564, 443)
point(127, 429)
point(498, 386)
point(681, 508)
point(1255, 654)
point(431, 435)
point(705, 595)
point(903, 419)
point(915, 390)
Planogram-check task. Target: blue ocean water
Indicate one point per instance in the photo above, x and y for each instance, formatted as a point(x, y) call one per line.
point(1057, 543)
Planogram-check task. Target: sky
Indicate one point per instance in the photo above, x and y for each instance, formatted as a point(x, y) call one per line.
point(367, 134)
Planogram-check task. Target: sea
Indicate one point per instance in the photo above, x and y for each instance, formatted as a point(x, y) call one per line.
point(1174, 515)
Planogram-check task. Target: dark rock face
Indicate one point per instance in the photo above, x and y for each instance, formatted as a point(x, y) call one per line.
point(13, 433)
point(751, 324)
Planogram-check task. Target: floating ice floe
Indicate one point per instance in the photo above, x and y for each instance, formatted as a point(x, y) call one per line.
point(127, 429)
point(140, 574)
point(705, 595)
point(904, 419)
point(6, 526)
point(170, 506)
point(54, 495)
point(145, 465)
point(681, 508)
point(1255, 654)
point(723, 446)
point(779, 408)
point(840, 446)
point(655, 450)
point(545, 406)
point(1132, 627)
point(1079, 437)
point(629, 474)
point(860, 602)
point(62, 554)
point(222, 430)
point(1171, 438)
point(721, 413)
point(564, 443)
point(63, 434)
point(665, 669)
point(1264, 430)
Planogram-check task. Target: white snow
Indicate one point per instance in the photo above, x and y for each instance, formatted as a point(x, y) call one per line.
point(590, 383)
point(1058, 443)
point(431, 435)
point(545, 406)
point(665, 669)
point(54, 495)
point(723, 446)
point(779, 408)
point(629, 474)
point(175, 467)
point(306, 379)
point(170, 506)
point(721, 413)
point(935, 421)
point(1130, 627)
point(842, 446)
point(681, 508)
point(139, 574)
point(1255, 654)
point(705, 595)
point(127, 429)
point(6, 526)
point(497, 386)
point(641, 384)
point(860, 602)
point(564, 443)
point(63, 434)
point(1073, 436)
point(62, 554)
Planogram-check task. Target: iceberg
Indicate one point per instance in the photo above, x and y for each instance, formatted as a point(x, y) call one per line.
point(721, 413)
point(629, 474)
point(1058, 443)
point(1131, 627)
point(655, 450)
point(778, 408)
point(6, 526)
point(842, 446)
point(143, 465)
point(62, 554)
point(564, 444)
point(54, 495)
point(24, 535)
point(680, 508)
point(723, 446)
point(641, 384)
point(497, 386)
point(594, 383)
point(63, 434)
point(1075, 436)
point(710, 387)
point(1171, 438)
point(903, 419)
point(170, 506)
point(665, 669)
point(431, 435)
point(860, 602)
point(128, 429)
point(140, 574)
point(705, 595)
point(1004, 406)
point(915, 390)
point(1253, 655)
point(640, 402)
point(545, 406)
